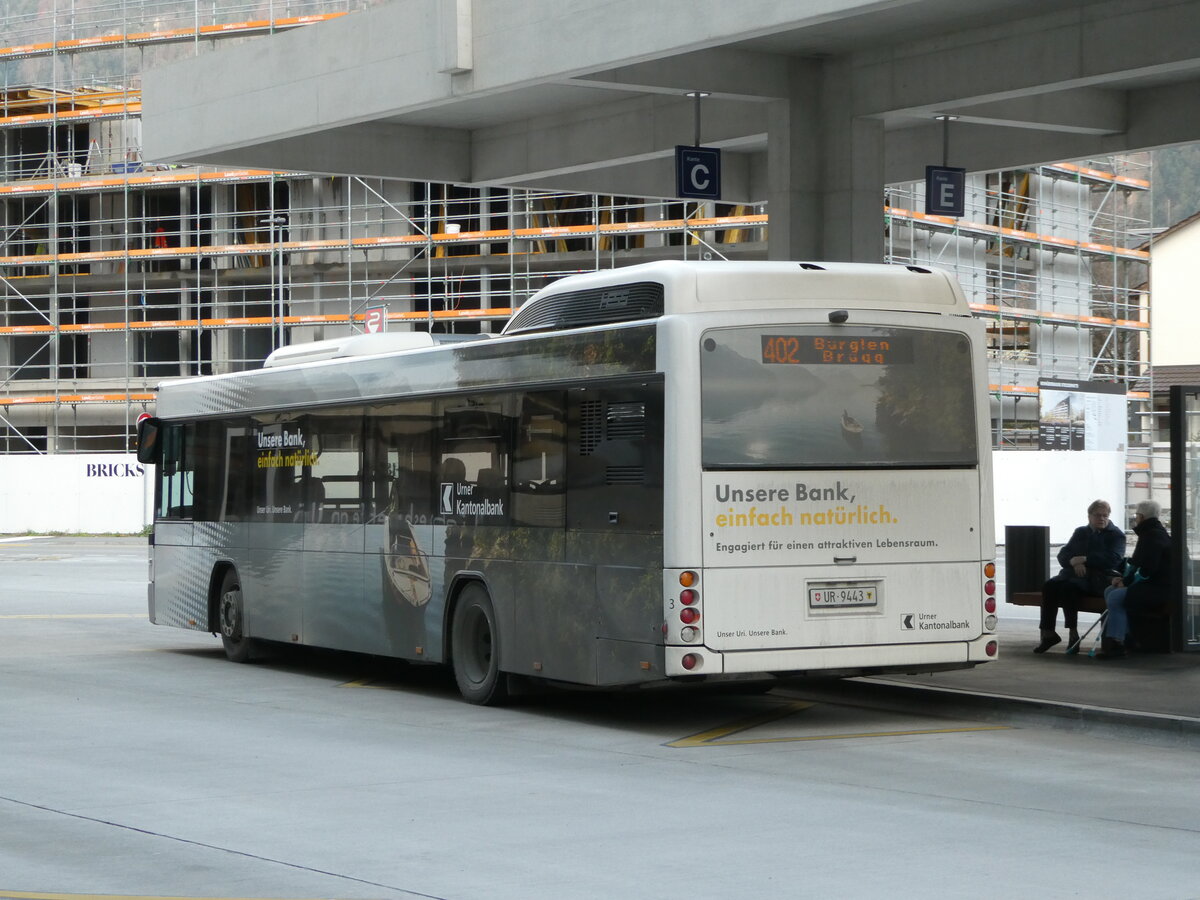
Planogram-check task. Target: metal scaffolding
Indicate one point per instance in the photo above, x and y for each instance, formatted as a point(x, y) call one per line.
point(1055, 260)
point(117, 271)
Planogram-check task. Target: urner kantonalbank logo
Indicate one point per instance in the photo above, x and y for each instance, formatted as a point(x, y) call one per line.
point(113, 470)
point(459, 498)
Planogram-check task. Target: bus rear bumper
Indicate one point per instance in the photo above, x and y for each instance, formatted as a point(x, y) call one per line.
point(875, 659)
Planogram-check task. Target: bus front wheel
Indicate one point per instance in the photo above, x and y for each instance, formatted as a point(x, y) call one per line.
point(231, 619)
point(475, 648)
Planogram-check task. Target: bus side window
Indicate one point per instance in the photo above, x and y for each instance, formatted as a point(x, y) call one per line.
point(539, 489)
point(236, 473)
point(475, 445)
point(399, 461)
point(176, 474)
point(329, 481)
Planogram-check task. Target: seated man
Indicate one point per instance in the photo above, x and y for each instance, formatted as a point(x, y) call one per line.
point(1088, 560)
point(1145, 584)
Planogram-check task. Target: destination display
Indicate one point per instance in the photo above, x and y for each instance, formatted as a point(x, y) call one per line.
point(832, 349)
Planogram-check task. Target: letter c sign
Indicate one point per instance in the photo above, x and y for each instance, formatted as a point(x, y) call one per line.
point(698, 173)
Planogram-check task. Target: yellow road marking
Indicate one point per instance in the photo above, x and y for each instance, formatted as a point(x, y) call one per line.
point(364, 683)
point(713, 736)
point(71, 616)
point(719, 736)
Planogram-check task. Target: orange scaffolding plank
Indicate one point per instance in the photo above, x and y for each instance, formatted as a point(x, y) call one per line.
point(1033, 315)
point(105, 111)
point(1031, 390)
point(120, 182)
point(166, 35)
point(1100, 175)
point(76, 398)
point(464, 237)
point(499, 312)
point(984, 229)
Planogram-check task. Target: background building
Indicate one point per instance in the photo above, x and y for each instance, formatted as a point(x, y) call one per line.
point(1054, 259)
point(117, 271)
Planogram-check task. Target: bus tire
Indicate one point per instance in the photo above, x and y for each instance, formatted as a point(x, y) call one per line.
point(231, 619)
point(475, 648)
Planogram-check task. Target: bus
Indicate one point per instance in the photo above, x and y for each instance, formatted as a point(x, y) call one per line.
point(672, 471)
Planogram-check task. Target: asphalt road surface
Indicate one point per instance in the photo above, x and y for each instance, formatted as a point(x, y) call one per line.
point(135, 760)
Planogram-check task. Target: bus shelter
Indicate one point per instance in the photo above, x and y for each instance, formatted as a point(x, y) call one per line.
point(1185, 515)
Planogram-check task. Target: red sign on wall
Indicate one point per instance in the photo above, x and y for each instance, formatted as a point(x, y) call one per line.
point(375, 320)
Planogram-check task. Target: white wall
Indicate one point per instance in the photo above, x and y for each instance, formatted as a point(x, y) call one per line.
point(1054, 487)
point(86, 492)
point(1174, 318)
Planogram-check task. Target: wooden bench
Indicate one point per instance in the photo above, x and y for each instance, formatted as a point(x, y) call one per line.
point(1091, 603)
point(1150, 628)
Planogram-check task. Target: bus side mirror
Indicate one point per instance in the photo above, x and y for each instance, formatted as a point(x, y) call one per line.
point(149, 449)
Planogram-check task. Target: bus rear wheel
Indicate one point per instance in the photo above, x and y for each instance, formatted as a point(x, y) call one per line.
point(231, 619)
point(475, 648)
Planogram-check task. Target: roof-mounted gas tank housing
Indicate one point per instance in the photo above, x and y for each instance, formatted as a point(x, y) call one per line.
point(361, 345)
point(650, 290)
point(555, 311)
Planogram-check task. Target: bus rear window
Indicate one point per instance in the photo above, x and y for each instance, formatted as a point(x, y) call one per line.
point(835, 397)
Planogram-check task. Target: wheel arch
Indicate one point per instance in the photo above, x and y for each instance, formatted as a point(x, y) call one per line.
point(214, 588)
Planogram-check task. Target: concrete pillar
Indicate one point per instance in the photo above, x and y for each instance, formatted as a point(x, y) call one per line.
point(825, 171)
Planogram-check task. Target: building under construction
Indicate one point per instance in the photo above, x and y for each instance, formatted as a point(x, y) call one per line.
point(117, 271)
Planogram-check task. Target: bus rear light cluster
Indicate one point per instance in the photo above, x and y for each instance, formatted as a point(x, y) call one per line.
point(689, 601)
point(989, 597)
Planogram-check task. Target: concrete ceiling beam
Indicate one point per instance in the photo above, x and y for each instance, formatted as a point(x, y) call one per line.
point(724, 73)
point(613, 135)
point(1080, 111)
point(1098, 46)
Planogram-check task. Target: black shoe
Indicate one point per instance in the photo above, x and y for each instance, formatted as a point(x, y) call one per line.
point(1049, 639)
point(1110, 648)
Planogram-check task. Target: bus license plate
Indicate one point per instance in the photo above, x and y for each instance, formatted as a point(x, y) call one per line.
point(829, 596)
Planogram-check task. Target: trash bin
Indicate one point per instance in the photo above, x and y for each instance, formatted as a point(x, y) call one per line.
point(1026, 558)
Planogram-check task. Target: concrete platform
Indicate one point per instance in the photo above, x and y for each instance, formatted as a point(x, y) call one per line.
point(1155, 692)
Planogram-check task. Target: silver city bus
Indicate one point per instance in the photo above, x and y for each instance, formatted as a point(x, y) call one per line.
point(667, 471)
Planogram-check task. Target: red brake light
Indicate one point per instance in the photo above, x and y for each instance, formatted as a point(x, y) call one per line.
point(989, 588)
point(991, 647)
point(688, 597)
point(688, 615)
point(689, 661)
point(990, 604)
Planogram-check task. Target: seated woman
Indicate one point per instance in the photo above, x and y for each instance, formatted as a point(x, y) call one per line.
point(1145, 584)
point(1087, 559)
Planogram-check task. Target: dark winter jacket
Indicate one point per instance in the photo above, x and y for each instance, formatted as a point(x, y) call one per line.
point(1149, 578)
point(1105, 551)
